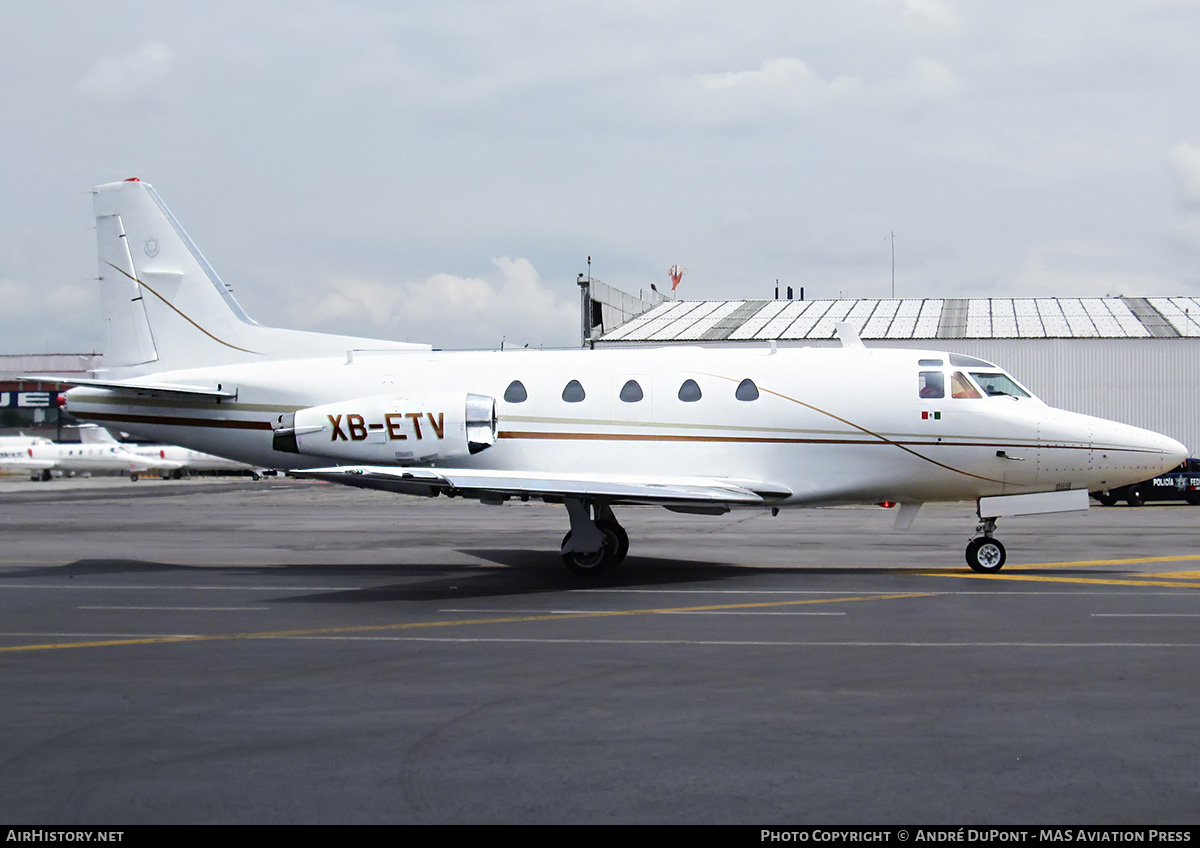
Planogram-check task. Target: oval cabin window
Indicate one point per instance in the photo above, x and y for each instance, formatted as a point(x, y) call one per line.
point(515, 393)
point(631, 392)
point(746, 390)
point(573, 392)
point(689, 392)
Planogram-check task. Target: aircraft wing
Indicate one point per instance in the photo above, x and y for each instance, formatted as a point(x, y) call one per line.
point(617, 489)
point(21, 465)
point(176, 389)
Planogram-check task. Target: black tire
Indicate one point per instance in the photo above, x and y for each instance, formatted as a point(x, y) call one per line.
point(622, 539)
point(133, 477)
point(1106, 499)
point(590, 565)
point(1193, 498)
point(985, 555)
point(1135, 496)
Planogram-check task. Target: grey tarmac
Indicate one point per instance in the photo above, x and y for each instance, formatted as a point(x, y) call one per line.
point(232, 651)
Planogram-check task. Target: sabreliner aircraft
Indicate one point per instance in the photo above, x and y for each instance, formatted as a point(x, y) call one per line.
point(698, 430)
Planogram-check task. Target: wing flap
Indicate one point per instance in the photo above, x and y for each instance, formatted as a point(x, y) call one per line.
point(169, 389)
point(611, 488)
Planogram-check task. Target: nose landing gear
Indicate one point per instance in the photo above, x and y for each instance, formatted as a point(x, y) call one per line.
point(985, 554)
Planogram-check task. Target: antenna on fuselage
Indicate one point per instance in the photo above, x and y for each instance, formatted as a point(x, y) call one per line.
point(847, 334)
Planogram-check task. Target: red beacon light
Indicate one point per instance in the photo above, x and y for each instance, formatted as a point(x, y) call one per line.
point(133, 180)
point(886, 504)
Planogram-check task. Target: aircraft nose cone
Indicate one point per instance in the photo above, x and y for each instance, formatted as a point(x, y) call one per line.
point(1176, 450)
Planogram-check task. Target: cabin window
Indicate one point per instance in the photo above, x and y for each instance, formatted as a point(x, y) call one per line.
point(930, 363)
point(515, 393)
point(931, 384)
point(997, 385)
point(573, 392)
point(746, 390)
point(631, 392)
point(960, 386)
point(962, 360)
point(689, 392)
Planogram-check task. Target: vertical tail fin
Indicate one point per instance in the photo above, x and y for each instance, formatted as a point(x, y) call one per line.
point(162, 301)
point(93, 434)
point(165, 308)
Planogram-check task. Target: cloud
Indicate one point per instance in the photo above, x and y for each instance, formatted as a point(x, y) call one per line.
point(142, 77)
point(786, 88)
point(1084, 268)
point(1184, 161)
point(449, 311)
point(936, 15)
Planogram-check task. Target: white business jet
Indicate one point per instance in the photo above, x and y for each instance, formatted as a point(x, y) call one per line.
point(43, 457)
point(693, 430)
point(168, 460)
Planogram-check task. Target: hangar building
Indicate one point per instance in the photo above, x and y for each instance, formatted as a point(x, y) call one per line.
point(1131, 359)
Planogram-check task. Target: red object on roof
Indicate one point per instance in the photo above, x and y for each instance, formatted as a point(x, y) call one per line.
point(133, 180)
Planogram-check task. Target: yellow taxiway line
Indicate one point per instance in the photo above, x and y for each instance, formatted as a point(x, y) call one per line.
point(375, 628)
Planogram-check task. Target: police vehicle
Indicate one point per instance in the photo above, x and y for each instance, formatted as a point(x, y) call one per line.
point(1181, 483)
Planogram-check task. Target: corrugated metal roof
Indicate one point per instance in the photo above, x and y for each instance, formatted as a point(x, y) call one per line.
point(924, 318)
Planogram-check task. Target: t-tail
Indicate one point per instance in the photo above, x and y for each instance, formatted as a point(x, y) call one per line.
point(165, 309)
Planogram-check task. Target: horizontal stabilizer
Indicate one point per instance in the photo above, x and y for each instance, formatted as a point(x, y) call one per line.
point(611, 488)
point(139, 388)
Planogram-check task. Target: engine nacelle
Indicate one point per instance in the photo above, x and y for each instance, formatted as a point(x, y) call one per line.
point(392, 429)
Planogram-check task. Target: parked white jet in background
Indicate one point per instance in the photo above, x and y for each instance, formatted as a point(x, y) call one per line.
point(168, 460)
point(693, 430)
point(41, 459)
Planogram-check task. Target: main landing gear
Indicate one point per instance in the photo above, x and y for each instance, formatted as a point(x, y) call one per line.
point(985, 554)
point(595, 542)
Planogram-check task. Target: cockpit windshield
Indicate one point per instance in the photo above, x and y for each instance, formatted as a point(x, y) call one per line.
point(997, 385)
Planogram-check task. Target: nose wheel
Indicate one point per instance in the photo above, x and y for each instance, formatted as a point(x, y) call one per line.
point(985, 555)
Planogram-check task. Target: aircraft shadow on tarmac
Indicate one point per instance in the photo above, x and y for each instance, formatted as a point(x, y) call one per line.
point(515, 572)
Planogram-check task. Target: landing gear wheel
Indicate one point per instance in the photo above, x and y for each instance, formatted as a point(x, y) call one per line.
point(985, 555)
point(1135, 496)
point(622, 538)
point(133, 477)
point(598, 561)
point(1106, 500)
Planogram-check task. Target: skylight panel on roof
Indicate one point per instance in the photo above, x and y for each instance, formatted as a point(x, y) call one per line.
point(1106, 325)
point(1053, 322)
point(759, 320)
point(979, 318)
point(655, 325)
point(927, 322)
point(1177, 317)
point(674, 329)
point(837, 312)
point(813, 308)
point(1131, 326)
point(1189, 315)
point(786, 316)
point(905, 320)
point(642, 320)
point(709, 321)
point(881, 319)
point(1077, 318)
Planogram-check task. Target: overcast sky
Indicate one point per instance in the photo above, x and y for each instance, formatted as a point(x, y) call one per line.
point(440, 171)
